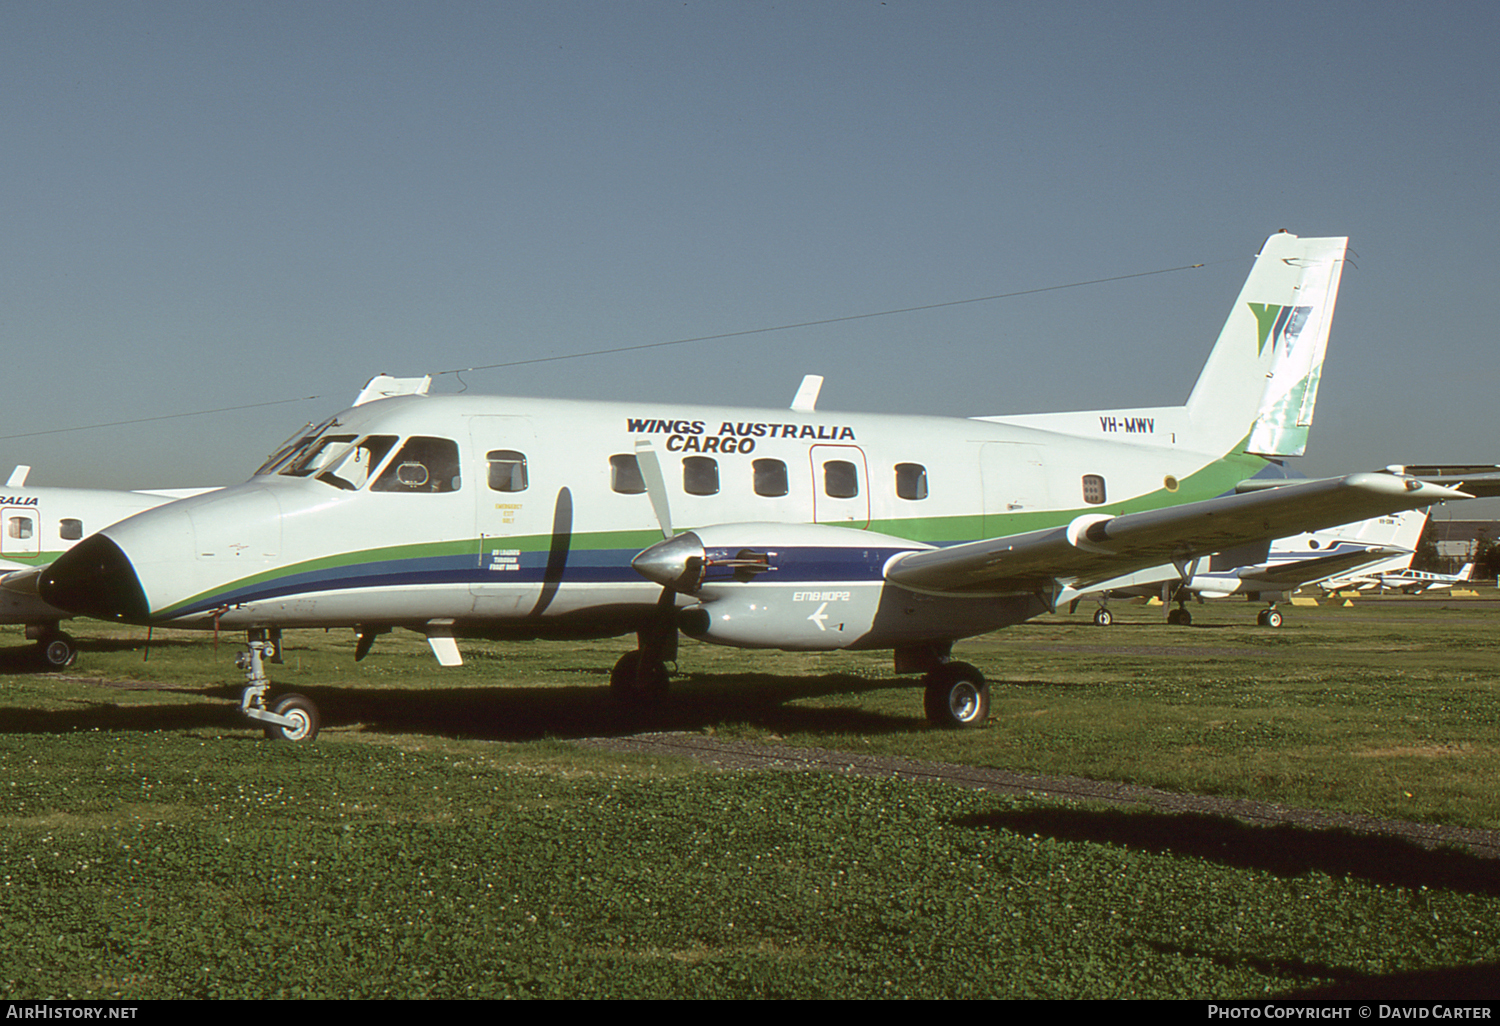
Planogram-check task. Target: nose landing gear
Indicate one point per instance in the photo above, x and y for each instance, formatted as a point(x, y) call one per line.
point(293, 717)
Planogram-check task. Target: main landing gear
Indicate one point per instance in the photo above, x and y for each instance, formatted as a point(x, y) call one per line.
point(55, 650)
point(642, 676)
point(293, 717)
point(957, 696)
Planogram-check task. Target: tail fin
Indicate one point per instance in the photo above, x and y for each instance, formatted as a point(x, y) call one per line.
point(1262, 375)
point(1466, 572)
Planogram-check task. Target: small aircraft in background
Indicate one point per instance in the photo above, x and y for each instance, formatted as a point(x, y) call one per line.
point(39, 524)
point(468, 516)
point(1270, 573)
point(1415, 582)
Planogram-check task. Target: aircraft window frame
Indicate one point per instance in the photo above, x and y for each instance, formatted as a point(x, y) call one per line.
point(20, 528)
point(1094, 491)
point(911, 481)
point(507, 471)
point(625, 477)
point(700, 475)
point(424, 464)
point(70, 529)
point(771, 479)
point(840, 479)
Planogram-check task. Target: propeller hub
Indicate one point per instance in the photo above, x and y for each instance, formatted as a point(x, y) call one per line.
point(676, 563)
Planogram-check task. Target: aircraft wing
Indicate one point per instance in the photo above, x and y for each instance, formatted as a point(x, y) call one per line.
point(1097, 547)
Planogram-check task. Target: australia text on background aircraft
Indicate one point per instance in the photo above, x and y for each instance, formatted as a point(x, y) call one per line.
point(466, 516)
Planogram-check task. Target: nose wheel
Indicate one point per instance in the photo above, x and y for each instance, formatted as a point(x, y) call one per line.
point(293, 717)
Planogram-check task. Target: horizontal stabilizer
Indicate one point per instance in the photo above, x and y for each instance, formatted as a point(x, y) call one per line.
point(1316, 568)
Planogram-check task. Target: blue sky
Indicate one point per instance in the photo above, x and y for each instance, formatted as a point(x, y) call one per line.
point(214, 205)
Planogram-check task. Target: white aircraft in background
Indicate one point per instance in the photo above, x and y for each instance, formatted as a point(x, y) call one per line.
point(36, 526)
point(1414, 582)
point(1271, 573)
point(471, 516)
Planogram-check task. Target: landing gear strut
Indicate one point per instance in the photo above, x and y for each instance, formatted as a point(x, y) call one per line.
point(642, 676)
point(293, 717)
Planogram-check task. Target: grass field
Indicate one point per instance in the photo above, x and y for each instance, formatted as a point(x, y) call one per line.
point(442, 838)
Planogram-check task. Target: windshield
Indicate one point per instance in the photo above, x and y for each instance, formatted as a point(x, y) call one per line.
point(352, 466)
point(319, 455)
point(339, 460)
point(293, 446)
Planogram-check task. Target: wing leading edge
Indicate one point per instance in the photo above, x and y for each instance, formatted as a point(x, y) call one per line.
point(1096, 547)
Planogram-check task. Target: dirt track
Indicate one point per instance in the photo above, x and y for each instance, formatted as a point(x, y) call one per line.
point(739, 755)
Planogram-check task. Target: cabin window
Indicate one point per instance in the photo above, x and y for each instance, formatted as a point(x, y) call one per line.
point(507, 470)
point(911, 481)
point(422, 465)
point(20, 527)
point(700, 475)
point(770, 478)
point(625, 474)
point(70, 529)
point(1093, 489)
point(840, 479)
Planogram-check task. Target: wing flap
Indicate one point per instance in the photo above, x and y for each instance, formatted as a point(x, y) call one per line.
point(1096, 547)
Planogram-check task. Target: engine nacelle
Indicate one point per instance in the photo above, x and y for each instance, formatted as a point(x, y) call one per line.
point(795, 617)
point(810, 587)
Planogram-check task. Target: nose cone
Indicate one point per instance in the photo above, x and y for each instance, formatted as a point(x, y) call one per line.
point(94, 578)
point(676, 563)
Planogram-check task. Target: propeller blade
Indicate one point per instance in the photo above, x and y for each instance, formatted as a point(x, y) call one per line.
point(656, 485)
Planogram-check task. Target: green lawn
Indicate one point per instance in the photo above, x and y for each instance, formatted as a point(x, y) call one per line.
point(443, 839)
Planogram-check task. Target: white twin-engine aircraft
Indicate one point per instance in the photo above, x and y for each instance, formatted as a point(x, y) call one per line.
point(483, 517)
point(37, 525)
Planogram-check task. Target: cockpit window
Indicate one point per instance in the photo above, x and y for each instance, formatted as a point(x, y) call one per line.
point(318, 456)
point(422, 465)
point(352, 468)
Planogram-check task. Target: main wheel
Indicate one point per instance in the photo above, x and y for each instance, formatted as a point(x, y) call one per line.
point(58, 651)
point(636, 680)
point(1273, 618)
point(957, 696)
point(305, 714)
point(1102, 617)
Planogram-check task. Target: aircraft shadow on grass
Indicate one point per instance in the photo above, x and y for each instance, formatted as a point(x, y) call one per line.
point(514, 713)
point(1289, 851)
point(19, 660)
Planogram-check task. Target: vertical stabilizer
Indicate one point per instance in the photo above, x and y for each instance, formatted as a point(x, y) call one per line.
point(1262, 376)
